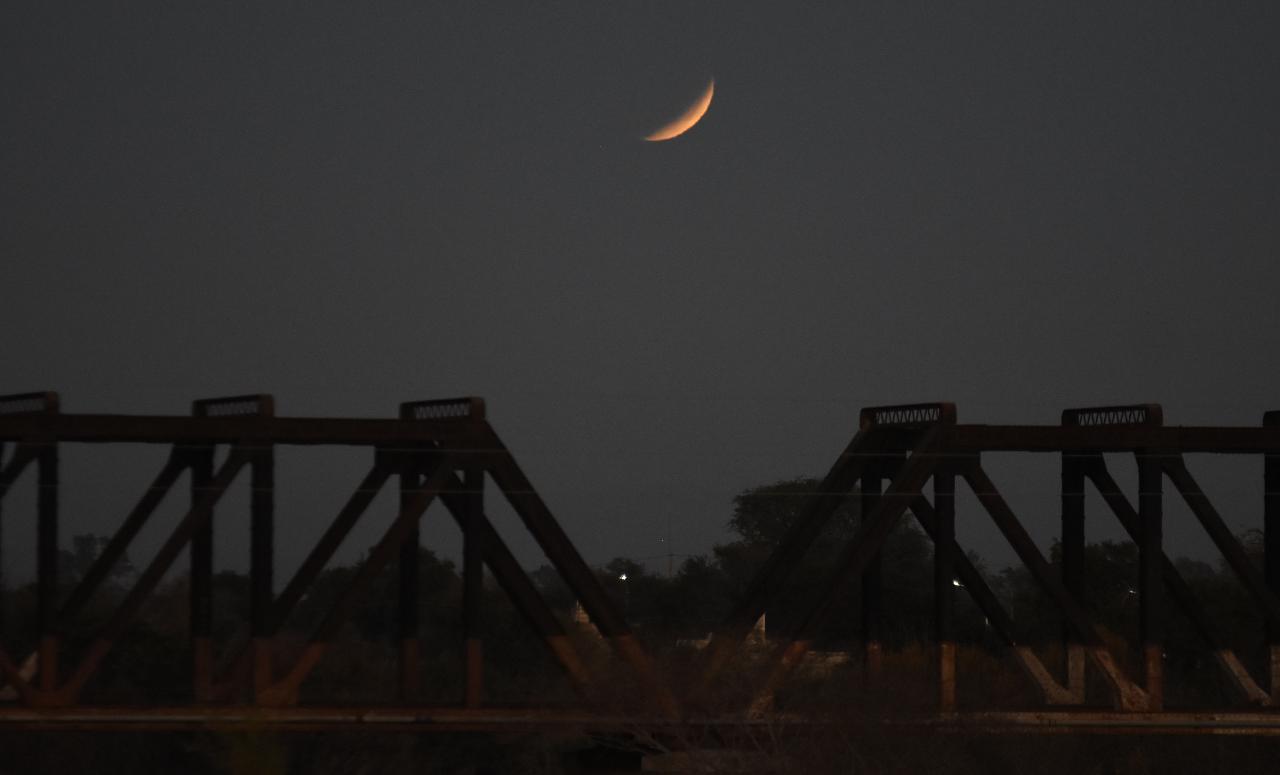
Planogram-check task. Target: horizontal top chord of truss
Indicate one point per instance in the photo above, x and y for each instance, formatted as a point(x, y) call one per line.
point(445, 450)
point(36, 417)
point(439, 450)
point(898, 449)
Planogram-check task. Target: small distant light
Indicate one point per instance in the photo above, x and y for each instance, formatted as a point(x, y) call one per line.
point(623, 577)
point(955, 582)
point(1133, 591)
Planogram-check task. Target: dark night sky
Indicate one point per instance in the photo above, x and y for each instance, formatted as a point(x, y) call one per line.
point(1016, 206)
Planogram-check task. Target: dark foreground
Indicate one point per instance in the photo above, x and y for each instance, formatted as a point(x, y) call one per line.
point(814, 751)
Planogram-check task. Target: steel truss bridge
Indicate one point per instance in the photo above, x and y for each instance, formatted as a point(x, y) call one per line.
point(446, 451)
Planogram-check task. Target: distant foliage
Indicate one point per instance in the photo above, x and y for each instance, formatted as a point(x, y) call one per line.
point(151, 663)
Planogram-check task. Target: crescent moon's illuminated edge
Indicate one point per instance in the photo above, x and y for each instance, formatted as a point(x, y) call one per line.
point(686, 121)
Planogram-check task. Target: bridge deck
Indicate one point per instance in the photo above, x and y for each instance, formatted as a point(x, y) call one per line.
point(542, 720)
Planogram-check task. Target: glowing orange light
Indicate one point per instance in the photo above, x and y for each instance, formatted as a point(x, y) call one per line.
point(686, 120)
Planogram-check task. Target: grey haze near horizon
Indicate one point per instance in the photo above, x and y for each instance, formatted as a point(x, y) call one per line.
point(1014, 206)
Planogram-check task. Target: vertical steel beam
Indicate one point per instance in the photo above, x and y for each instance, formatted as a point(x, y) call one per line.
point(513, 580)
point(407, 596)
point(9, 672)
point(241, 665)
point(201, 581)
point(47, 562)
point(1271, 549)
point(998, 619)
point(24, 403)
point(853, 559)
point(468, 410)
point(1128, 696)
point(1179, 592)
point(473, 552)
point(1150, 562)
point(1075, 467)
point(777, 569)
point(1073, 473)
point(3, 597)
point(944, 547)
point(872, 578)
point(201, 511)
point(260, 458)
point(285, 690)
point(261, 563)
point(21, 457)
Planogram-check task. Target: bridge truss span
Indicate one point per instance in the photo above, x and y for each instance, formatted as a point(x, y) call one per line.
point(903, 459)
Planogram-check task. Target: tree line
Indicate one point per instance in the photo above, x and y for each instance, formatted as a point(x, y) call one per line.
point(151, 663)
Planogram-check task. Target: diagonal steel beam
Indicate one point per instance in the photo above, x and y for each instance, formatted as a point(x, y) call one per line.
point(285, 691)
point(1232, 551)
point(1051, 692)
point(128, 530)
point(515, 582)
point(542, 525)
point(323, 551)
point(864, 545)
point(199, 514)
point(1128, 695)
point(835, 487)
point(506, 570)
point(553, 541)
point(410, 511)
point(23, 455)
point(357, 503)
point(1096, 471)
point(773, 575)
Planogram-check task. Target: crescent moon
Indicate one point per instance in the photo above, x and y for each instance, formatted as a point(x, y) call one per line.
point(687, 119)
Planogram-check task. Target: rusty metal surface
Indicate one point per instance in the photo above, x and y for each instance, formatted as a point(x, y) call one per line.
point(1178, 589)
point(1095, 722)
point(446, 450)
point(427, 445)
point(1080, 441)
point(426, 720)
